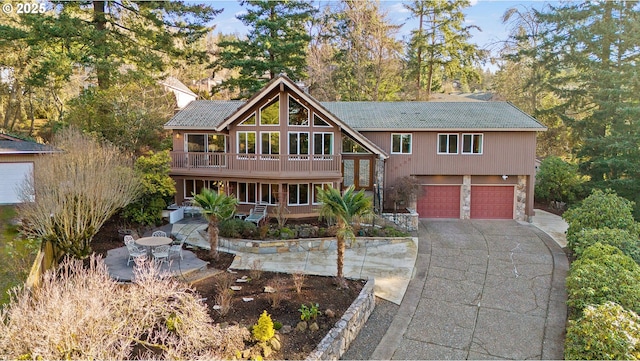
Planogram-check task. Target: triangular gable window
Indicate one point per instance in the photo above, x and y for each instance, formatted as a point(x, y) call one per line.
point(249, 121)
point(350, 146)
point(319, 122)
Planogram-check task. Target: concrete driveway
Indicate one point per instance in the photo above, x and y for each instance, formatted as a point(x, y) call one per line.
point(481, 290)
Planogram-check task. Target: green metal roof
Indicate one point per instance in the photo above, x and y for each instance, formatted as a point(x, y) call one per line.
point(383, 116)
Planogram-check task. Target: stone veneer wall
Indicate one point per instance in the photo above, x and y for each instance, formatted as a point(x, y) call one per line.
point(466, 197)
point(521, 198)
point(407, 221)
point(339, 338)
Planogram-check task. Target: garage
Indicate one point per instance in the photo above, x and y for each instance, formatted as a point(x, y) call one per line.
point(441, 201)
point(13, 176)
point(492, 202)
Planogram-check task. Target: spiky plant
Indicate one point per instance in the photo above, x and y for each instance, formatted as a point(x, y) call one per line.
point(215, 207)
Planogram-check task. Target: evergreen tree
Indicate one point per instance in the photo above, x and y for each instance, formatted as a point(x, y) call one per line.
point(591, 49)
point(276, 43)
point(440, 46)
point(368, 57)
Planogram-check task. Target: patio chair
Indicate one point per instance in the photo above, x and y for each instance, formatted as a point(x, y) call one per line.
point(177, 248)
point(134, 251)
point(161, 253)
point(128, 237)
point(159, 234)
point(257, 213)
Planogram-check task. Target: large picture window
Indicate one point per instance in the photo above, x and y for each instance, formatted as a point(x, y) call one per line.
point(270, 113)
point(447, 143)
point(323, 143)
point(323, 186)
point(471, 143)
point(270, 143)
point(247, 142)
point(298, 143)
point(269, 193)
point(247, 193)
point(215, 143)
point(298, 194)
point(298, 113)
point(401, 143)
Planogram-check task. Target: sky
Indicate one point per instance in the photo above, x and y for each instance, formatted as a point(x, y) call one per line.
point(486, 14)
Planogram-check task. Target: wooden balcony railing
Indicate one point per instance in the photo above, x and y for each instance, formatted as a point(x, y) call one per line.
point(255, 163)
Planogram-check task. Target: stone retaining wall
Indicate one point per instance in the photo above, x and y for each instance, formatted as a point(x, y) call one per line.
point(407, 221)
point(302, 245)
point(337, 341)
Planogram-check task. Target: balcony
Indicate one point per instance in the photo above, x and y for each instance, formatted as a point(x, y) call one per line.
point(256, 165)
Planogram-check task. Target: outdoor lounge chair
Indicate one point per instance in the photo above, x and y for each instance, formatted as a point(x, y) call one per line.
point(134, 251)
point(257, 213)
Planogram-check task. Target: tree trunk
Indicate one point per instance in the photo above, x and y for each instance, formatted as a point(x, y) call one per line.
point(100, 44)
point(340, 262)
point(213, 238)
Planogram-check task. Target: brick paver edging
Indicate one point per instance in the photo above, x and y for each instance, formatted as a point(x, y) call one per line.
point(337, 341)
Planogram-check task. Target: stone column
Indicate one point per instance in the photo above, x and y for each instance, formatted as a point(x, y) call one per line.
point(465, 196)
point(521, 198)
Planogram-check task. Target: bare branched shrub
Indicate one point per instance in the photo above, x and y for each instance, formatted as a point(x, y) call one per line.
point(298, 281)
point(255, 269)
point(224, 294)
point(81, 313)
point(224, 281)
point(76, 191)
point(278, 284)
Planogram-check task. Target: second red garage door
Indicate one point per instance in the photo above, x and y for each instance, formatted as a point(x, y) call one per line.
point(492, 202)
point(440, 202)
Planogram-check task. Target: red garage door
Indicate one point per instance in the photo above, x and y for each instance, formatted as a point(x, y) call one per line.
point(492, 202)
point(440, 202)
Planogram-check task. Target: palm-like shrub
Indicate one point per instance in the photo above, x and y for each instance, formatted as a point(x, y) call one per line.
point(343, 209)
point(215, 207)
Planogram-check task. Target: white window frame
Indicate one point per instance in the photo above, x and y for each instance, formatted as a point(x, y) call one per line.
point(472, 135)
point(448, 139)
point(402, 137)
point(255, 120)
point(270, 155)
point(297, 185)
point(323, 156)
point(326, 124)
point(268, 103)
point(298, 155)
point(289, 112)
point(255, 192)
point(255, 146)
point(314, 191)
point(271, 185)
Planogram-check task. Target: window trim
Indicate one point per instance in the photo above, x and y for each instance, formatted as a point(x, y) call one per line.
point(255, 192)
point(255, 117)
point(255, 146)
point(297, 185)
point(270, 155)
point(324, 156)
point(315, 115)
point(289, 112)
point(267, 104)
point(472, 136)
point(402, 135)
point(297, 156)
point(271, 185)
point(448, 137)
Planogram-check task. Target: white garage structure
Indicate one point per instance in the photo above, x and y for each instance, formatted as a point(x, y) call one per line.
point(16, 165)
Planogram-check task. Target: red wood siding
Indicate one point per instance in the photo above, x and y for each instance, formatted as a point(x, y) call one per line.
point(440, 202)
point(492, 202)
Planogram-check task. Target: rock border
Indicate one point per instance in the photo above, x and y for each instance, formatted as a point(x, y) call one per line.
point(339, 338)
point(302, 244)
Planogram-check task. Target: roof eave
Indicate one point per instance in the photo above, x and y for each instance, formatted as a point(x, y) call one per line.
point(451, 129)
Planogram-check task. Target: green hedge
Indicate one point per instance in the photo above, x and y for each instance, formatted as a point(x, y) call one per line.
point(603, 274)
point(629, 244)
point(605, 332)
point(599, 210)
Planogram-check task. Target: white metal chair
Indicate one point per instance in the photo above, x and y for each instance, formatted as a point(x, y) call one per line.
point(134, 251)
point(128, 237)
point(177, 248)
point(161, 253)
point(159, 234)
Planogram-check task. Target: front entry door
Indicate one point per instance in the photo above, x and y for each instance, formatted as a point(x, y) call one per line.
point(357, 171)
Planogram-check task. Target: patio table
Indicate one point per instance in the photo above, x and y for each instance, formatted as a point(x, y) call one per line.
point(151, 242)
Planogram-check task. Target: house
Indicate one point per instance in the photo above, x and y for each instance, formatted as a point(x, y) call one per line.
point(183, 94)
point(473, 159)
point(16, 164)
